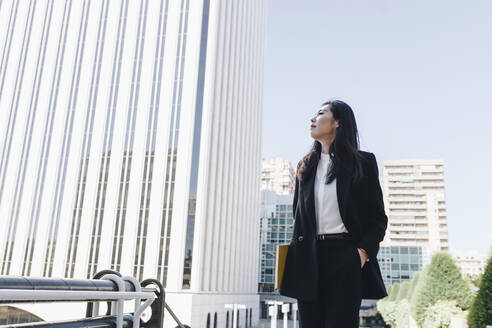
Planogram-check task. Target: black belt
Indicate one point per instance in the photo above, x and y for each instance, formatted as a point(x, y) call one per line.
point(340, 235)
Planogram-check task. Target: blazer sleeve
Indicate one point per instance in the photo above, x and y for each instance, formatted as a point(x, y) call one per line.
point(378, 221)
point(296, 195)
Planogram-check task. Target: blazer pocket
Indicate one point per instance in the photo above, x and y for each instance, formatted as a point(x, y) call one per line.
point(357, 255)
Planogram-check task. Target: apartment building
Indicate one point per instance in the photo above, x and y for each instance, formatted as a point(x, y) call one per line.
point(415, 202)
point(278, 175)
point(471, 263)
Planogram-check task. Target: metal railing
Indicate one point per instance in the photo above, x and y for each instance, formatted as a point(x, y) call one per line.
point(106, 286)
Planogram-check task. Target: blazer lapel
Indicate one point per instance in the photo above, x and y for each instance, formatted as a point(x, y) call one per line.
point(309, 197)
point(342, 186)
point(343, 189)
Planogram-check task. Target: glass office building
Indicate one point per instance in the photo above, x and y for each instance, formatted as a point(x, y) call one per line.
point(276, 229)
point(399, 263)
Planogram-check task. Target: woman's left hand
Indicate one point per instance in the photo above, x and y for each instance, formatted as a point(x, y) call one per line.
point(363, 257)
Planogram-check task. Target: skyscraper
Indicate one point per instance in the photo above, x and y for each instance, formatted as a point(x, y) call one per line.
point(130, 139)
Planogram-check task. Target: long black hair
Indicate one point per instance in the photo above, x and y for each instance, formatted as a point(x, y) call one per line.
point(343, 149)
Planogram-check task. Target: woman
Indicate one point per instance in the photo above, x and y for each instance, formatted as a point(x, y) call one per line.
point(339, 222)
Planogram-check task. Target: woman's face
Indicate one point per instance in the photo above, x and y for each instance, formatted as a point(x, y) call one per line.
point(323, 125)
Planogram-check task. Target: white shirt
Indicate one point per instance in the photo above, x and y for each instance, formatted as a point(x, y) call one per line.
point(328, 219)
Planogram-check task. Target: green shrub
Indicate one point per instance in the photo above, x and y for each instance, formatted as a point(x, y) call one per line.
point(394, 292)
point(388, 290)
point(439, 314)
point(442, 281)
point(388, 311)
point(413, 283)
point(403, 291)
point(480, 313)
point(402, 314)
point(419, 285)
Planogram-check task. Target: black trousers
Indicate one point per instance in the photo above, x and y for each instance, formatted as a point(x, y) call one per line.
point(339, 297)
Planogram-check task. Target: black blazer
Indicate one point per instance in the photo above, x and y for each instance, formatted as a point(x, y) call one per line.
point(362, 211)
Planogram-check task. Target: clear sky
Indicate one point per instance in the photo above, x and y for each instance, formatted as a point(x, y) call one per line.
point(418, 75)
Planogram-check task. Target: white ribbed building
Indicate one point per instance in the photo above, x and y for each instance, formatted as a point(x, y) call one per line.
point(130, 139)
point(415, 202)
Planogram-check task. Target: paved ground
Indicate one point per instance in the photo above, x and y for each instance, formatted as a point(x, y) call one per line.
point(265, 323)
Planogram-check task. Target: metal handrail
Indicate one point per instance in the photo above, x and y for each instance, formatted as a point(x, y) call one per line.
point(16, 295)
point(109, 286)
point(159, 304)
point(99, 322)
point(106, 286)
